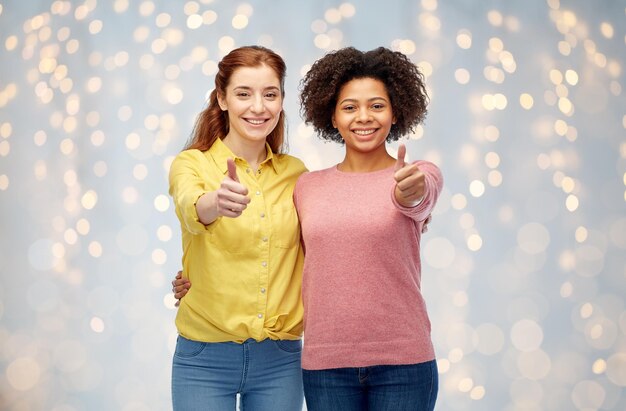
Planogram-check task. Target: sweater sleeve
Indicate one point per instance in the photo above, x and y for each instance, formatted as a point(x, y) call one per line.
point(433, 182)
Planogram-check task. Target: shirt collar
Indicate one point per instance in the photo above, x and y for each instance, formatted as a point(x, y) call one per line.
point(220, 153)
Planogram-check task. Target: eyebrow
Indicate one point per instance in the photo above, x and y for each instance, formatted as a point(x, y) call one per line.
point(250, 88)
point(345, 100)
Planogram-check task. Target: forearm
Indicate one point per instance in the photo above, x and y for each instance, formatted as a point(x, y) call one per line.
point(206, 207)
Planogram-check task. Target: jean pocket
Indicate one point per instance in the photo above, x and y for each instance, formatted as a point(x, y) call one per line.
point(188, 348)
point(290, 346)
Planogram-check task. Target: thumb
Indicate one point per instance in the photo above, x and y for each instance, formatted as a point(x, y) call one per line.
point(400, 160)
point(232, 169)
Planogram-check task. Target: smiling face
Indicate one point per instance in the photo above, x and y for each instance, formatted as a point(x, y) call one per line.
point(254, 102)
point(363, 115)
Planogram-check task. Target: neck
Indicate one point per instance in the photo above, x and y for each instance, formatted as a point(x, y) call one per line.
point(364, 162)
point(252, 151)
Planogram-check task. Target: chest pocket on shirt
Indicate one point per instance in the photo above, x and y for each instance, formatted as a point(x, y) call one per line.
point(285, 226)
point(236, 235)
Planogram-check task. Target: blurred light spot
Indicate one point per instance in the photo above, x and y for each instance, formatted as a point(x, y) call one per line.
point(240, 22)
point(492, 133)
point(194, 21)
point(70, 236)
point(466, 384)
point(477, 188)
point(140, 172)
point(588, 395)
point(23, 373)
point(607, 30)
point(616, 369)
point(439, 252)
point(332, 15)
point(460, 299)
point(467, 221)
point(474, 242)
point(462, 76)
point(322, 41)
point(586, 310)
point(506, 214)
point(490, 339)
point(164, 233)
point(89, 199)
point(495, 18)
point(455, 355)
point(67, 146)
point(209, 17)
point(458, 201)
point(226, 44)
point(464, 39)
point(571, 203)
point(443, 365)
point(526, 101)
point(4, 182)
point(162, 202)
point(526, 335)
point(492, 159)
point(95, 249)
point(533, 238)
point(534, 365)
point(477, 392)
point(100, 168)
point(5, 148)
point(581, 234)
point(494, 177)
point(130, 195)
point(82, 226)
point(599, 366)
point(347, 10)
point(96, 324)
point(159, 256)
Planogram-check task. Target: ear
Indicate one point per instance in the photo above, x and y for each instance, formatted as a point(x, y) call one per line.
point(394, 120)
point(332, 119)
point(222, 102)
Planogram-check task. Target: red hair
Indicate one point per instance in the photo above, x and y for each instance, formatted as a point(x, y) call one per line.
point(212, 122)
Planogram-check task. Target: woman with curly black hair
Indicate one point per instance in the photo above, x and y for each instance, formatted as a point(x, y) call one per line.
point(367, 343)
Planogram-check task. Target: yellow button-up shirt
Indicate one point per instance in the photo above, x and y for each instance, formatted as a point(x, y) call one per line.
point(246, 272)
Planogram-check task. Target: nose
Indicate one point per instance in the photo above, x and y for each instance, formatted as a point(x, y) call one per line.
point(258, 106)
point(363, 115)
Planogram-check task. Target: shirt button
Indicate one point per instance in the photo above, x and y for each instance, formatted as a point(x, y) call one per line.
point(247, 170)
point(264, 264)
point(262, 215)
point(258, 193)
point(265, 239)
point(260, 315)
point(263, 290)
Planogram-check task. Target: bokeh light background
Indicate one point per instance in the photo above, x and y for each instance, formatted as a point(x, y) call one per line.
point(525, 260)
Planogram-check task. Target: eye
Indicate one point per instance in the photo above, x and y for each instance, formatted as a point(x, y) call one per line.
point(378, 106)
point(349, 108)
point(243, 94)
point(271, 95)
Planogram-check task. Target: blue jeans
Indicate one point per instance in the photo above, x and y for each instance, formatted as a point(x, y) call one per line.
point(208, 376)
point(378, 388)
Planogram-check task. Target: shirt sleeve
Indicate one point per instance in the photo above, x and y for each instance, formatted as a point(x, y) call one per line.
point(433, 182)
point(186, 187)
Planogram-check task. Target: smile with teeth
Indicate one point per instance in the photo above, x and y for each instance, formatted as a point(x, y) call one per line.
point(364, 132)
point(256, 122)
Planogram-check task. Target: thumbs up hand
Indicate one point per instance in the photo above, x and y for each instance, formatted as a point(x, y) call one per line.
point(232, 196)
point(410, 185)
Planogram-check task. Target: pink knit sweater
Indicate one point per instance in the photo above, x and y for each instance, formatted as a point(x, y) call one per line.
point(363, 304)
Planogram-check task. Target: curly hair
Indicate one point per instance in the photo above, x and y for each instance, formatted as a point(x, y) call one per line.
point(404, 82)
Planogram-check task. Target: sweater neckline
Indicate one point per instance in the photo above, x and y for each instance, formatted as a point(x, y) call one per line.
point(357, 173)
